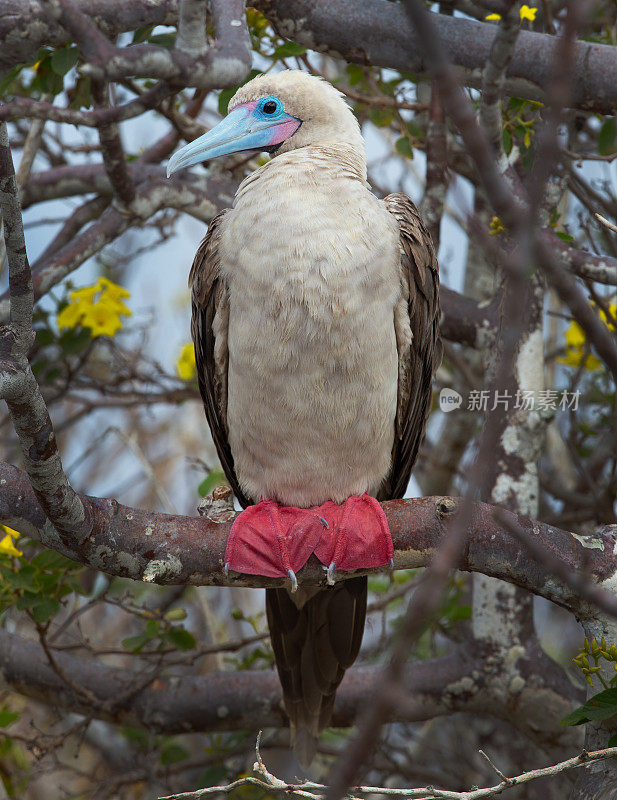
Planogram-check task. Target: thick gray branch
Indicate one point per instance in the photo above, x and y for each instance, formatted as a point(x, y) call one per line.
point(467, 680)
point(172, 549)
point(373, 32)
point(18, 385)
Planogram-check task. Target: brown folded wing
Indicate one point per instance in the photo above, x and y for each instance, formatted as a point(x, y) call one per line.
point(418, 341)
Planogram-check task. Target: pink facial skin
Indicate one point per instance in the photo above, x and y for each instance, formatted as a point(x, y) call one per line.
point(280, 131)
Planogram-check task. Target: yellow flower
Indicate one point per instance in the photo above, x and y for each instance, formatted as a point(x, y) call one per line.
point(185, 365)
point(98, 307)
point(496, 227)
point(575, 343)
point(6, 543)
point(528, 12)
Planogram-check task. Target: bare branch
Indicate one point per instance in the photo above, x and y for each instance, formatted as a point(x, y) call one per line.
point(388, 40)
point(494, 77)
point(223, 65)
point(192, 27)
point(17, 383)
point(26, 107)
point(112, 150)
point(308, 790)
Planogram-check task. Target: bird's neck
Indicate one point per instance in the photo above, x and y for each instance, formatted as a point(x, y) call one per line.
point(313, 163)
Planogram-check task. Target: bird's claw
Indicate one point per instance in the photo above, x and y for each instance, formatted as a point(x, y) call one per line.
point(294, 581)
point(330, 574)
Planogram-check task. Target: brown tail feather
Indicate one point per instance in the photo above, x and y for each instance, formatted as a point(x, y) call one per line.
point(313, 646)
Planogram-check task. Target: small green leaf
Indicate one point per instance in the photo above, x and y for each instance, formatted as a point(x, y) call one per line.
point(213, 776)
point(565, 237)
point(141, 34)
point(135, 643)
point(44, 336)
point(180, 639)
point(403, 147)
point(599, 707)
point(175, 614)
point(289, 49)
point(506, 139)
point(64, 60)
point(355, 74)
point(211, 481)
point(43, 611)
point(166, 40)
point(415, 130)
point(173, 753)
point(81, 95)
point(607, 137)
point(380, 117)
point(7, 717)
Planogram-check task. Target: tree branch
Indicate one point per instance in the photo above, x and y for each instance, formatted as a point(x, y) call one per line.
point(308, 790)
point(18, 385)
point(222, 66)
point(174, 549)
point(380, 34)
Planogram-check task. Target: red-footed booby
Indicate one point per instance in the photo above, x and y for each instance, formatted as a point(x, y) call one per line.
point(315, 323)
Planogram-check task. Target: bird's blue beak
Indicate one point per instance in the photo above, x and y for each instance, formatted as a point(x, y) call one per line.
point(244, 128)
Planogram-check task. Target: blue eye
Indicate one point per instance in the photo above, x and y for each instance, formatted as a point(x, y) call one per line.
point(270, 106)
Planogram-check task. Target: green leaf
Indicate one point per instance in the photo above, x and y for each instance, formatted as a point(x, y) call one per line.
point(213, 776)
point(173, 753)
point(44, 336)
point(166, 40)
point(380, 117)
point(7, 717)
point(565, 237)
point(9, 78)
point(75, 340)
point(24, 579)
point(141, 34)
point(27, 600)
point(506, 139)
point(64, 60)
point(415, 130)
point(289, 49)
point(355, 74)
point(403, 147)
point(180, 639)
point(211, 481)
point(135, 643)
point(43, 611)
point(81, 95)
point(607, 137)
point(176, 614)
point(48, 559)
point(599, 707)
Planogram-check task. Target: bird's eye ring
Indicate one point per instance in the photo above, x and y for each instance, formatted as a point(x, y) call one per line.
point(270, 107)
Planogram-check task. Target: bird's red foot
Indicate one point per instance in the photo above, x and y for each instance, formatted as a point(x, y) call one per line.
point(276, 541)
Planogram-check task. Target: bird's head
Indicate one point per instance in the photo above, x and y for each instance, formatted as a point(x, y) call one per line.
point(276, 113)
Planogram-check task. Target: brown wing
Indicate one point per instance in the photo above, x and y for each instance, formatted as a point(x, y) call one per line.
point(210, 306)
point(419, 345)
